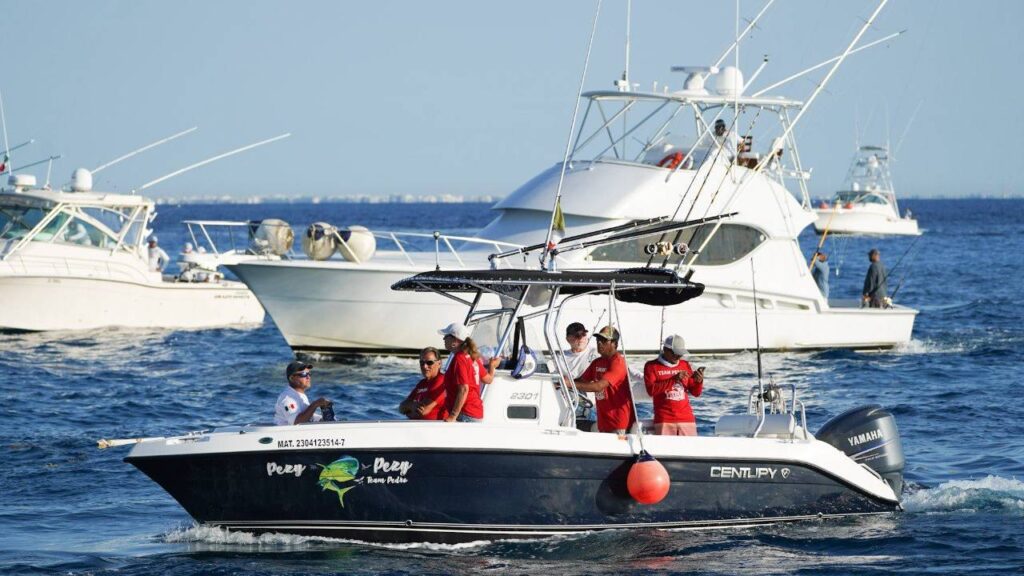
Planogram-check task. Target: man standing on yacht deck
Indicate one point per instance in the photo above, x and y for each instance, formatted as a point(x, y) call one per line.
point(607, 377)
point(729, 142)
point(819, 271)
point(293, 407)
point(668, 378)
point(157, 257)
point(875, 288)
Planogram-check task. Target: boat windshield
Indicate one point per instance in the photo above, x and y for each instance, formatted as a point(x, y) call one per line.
point(17, 221)
point(83, 226)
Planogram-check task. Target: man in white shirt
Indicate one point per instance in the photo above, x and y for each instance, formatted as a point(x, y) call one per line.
point(293, 407)
point(157, 257)
point(581, 350)
point(729, 142)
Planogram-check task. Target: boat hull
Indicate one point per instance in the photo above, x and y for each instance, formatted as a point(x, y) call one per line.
point(38, 303)
point(859, 221)
point(351, 310)
point(458, 496)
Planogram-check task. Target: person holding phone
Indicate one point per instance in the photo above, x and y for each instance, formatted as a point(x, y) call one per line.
point(670, 380)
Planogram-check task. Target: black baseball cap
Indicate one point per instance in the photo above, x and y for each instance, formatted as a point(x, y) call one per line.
point(575, 328)
point(296, 366)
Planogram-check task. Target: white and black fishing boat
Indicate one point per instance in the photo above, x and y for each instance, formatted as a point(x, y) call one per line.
point(532, 467)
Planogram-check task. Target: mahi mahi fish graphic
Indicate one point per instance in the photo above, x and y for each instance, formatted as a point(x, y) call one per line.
point(342, 470)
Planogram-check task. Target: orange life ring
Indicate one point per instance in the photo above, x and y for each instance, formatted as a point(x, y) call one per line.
point(672, 160)
point(848, 206)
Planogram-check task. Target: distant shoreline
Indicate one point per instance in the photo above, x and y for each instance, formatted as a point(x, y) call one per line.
point(481, 200)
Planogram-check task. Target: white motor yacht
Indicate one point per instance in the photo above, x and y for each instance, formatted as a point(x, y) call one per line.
point(533, 466)
point(867, 203)
point(76, 259)
point(637, 156)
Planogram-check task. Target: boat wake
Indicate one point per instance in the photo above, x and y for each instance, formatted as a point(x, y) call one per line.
point(217, 538)
point(988, 494)
point(915, 346)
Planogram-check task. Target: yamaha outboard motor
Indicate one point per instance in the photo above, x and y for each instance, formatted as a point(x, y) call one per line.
point(869, 436)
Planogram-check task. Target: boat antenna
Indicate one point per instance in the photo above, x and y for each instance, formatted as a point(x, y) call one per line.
point(7, 147)
point(556, 209)
point(36, 163)
point(16, 146)
point(825, 63)
point(209, 160)
point(736, 42)
point(143, 149)
point(757, 331)
point(629, 10)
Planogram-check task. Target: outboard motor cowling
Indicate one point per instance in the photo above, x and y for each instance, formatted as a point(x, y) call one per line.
point(869, 436)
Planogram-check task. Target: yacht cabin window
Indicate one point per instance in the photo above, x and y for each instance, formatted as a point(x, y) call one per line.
point(730, 243)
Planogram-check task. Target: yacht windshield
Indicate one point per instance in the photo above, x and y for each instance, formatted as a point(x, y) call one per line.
point(17, 221)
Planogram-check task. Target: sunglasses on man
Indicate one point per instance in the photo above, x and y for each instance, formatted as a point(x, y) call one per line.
point(428, 362)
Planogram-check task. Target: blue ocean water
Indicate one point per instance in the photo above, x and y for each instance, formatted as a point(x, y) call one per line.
point(69, 508)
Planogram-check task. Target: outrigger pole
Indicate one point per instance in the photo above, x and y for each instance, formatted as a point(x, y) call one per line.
point(626, 226)
point(209, 160)
point(825, 63)
point(568, 141)
point(7, 146)
point(143, 149)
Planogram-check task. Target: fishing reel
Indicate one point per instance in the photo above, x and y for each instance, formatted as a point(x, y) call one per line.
point(667, 249)
point(771, 396)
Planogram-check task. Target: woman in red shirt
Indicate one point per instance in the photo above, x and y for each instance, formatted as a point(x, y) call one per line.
point(465, 373)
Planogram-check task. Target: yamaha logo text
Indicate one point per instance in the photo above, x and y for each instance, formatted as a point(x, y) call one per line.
point(859, 439)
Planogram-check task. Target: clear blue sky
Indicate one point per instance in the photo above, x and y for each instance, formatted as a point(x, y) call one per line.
point(475, 97)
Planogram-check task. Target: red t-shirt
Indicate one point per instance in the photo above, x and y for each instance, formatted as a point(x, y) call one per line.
point(427, 391)
point(670, 401)
point(463, 370)
point(614, 405)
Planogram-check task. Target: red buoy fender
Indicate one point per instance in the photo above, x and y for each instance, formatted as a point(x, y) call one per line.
point(672, 160)
point(648, 481)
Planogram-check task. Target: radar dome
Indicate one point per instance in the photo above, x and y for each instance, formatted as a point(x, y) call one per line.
point(22, 181)
point(81, 180)
point(729, 82)
point(359, 244)
point(274, 236)
point(318, 241)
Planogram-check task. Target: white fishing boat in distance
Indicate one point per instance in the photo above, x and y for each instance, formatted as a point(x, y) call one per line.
point(867, 203)
point(76, 259)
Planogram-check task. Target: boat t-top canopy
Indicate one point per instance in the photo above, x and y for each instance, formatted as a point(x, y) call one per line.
point(653, 286)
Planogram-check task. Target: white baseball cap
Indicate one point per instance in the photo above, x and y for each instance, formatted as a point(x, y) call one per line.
point(456, 330)
point(676, 344)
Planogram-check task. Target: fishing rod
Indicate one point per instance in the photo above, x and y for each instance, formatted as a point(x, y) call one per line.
point(556, 209)
point(905, 274)
point(639, 233)
point(627, 226)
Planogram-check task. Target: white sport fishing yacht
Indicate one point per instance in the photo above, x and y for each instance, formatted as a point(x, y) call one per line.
point(671, 153)
point(867, 203)
point(76, 259)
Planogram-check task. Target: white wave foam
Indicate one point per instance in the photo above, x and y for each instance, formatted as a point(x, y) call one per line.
point(988, 493)
point(915, 346)
point(217, 537)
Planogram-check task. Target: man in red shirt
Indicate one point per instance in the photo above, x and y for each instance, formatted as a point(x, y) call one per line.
point(426, 401)
point(668, 378)
point(606, 376)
